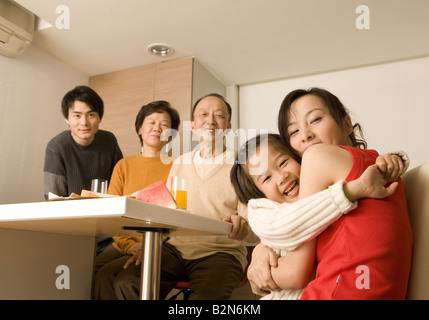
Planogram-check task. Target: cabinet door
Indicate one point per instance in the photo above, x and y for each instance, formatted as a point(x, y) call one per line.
point(174, 80)
point(174, 84)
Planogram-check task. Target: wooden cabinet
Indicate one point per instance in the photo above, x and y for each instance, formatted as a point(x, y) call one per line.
point(124, 92)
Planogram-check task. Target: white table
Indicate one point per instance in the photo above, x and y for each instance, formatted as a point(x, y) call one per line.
point(105, 217)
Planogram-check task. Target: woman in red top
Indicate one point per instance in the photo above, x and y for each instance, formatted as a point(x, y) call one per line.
point(367, 253)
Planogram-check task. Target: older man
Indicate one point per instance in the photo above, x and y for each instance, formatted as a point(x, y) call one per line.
point(213, 264)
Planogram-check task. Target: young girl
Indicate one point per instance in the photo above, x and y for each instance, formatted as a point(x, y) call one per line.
point(365, 254)
point(266, 178)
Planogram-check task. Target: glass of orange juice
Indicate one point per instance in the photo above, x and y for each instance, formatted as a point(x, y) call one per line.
point(179, 191)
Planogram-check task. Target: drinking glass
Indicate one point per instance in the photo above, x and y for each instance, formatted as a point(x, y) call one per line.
point(99, 185)
point(179, 191)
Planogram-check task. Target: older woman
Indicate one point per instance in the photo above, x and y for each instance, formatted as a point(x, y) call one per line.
point(132, 174)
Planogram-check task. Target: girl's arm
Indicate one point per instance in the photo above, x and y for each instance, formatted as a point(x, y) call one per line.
point(288, 225)
point(371, 184)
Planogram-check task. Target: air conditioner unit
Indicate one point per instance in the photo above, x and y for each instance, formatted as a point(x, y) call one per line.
point(16, 28)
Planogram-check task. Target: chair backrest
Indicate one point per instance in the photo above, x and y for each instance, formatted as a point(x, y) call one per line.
point(417, 184)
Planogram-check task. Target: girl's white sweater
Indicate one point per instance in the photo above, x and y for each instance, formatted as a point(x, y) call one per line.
point(285, 226)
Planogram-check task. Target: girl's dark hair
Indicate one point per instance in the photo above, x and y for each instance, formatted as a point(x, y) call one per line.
point(86, 95)
point(240, 179)
point(337, 110)
point(157, 106)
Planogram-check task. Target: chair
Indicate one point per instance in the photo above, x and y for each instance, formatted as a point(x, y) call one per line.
point(185, 287)
point(417, 183)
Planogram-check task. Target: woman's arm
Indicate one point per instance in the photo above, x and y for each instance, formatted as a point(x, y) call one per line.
point(297, 270)
point(322, 166)
point(259, 270)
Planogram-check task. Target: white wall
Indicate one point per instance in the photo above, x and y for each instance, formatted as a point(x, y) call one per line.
point(390, 101)
point(31, 89)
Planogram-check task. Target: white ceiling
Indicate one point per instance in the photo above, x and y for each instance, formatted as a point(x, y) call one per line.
point(239, 41)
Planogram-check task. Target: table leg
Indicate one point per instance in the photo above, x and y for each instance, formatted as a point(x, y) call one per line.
point(151, 261)
point(151, 265)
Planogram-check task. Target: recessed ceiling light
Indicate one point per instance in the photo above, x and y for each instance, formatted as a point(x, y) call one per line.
point(160, 49)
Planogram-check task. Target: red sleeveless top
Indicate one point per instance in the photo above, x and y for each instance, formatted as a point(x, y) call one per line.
point(367, 253)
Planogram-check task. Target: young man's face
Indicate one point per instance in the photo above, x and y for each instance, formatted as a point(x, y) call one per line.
point(83, 122)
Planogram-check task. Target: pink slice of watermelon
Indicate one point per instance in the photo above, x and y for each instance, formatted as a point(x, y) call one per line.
point(157, 193)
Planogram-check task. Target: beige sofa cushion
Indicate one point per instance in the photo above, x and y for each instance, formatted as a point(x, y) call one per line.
point(417, 183)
